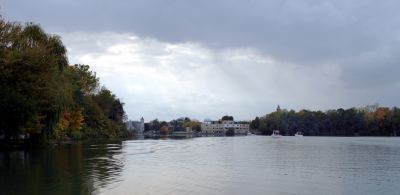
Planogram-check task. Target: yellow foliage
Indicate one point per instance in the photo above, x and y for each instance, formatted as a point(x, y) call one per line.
point(76, 120)
point(381, 113)
point(64, 121)
point(164, 129)
point(191, 124)
point(370, 116)
point(302, 112)
point(69, 121)
point(62, 125)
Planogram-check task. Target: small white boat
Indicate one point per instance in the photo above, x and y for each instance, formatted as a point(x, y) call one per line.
point(275, 133)
point(250, 133)
point(298, 134)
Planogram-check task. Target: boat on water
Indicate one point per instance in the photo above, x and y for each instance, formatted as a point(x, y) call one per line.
point(298, 134)
point(275, 133)
point(250, 133)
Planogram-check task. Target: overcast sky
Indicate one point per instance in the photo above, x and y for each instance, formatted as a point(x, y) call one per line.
point(207, 58)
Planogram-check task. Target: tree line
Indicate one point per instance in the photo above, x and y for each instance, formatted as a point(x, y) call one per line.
point(43, 98)
point(366, 121)
point(175, 125)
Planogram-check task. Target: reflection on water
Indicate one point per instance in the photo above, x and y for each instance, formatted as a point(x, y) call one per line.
point(208, 165)
point(80, 168)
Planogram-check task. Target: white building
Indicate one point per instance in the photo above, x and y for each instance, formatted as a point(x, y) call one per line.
point(135, 126)
point(221, 127)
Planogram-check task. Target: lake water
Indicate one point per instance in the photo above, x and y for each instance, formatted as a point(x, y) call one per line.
point(208, 165)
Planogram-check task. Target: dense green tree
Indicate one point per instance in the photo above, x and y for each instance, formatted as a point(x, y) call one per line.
point(181, 123)
point(255, 124)
point(155, 125)
point(31, 67)
point(15, 112)
point(41, 95)
point(395, 121)
point(367, 121)
point(227, 118)
point(192, 124)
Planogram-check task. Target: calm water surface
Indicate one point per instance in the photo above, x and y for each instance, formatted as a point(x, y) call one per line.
point(208, 165)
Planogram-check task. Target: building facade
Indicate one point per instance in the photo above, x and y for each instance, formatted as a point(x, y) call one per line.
point(135, 126)
point(221, 127)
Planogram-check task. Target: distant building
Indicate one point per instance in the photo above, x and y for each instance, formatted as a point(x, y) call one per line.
point(135, 126)
point(209, 127)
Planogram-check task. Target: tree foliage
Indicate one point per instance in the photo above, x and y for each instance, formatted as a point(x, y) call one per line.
point(192, 124)
point(366, 121)
point(227, 118)
point(41, 95)
point(164, 129)
point(180, 124)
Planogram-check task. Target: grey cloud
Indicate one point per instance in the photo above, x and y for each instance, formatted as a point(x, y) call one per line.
point(375, 69)
point(309, 30)
point(358, 40)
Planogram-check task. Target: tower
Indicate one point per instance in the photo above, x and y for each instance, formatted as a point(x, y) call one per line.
point(141, 128)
